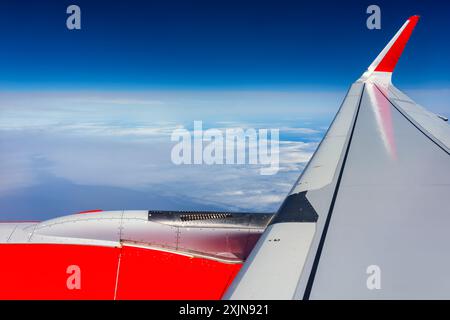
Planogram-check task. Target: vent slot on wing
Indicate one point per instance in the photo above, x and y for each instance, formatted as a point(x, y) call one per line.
point(204, 216)
point(227, 219)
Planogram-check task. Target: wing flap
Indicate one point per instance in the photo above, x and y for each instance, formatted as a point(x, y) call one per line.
point(429, 122)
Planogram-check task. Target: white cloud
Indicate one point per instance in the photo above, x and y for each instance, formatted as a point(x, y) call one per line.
point(91, 142)
point(307, 131)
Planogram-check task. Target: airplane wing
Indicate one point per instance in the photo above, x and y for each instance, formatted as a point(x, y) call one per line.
point(367, 219)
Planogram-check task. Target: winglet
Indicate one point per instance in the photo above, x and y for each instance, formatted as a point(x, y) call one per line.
point(387, 60)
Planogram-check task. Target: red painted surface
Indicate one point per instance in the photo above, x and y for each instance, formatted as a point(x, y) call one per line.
point(388, 63)
point(151, 274)
point(39, 271)
point(90, 211)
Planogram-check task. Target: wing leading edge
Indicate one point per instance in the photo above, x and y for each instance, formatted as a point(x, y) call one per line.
point(369, 199)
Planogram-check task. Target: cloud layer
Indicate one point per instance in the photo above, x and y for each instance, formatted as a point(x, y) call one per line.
point(62, 152)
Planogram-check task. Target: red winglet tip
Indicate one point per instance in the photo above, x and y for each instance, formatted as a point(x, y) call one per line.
point(413, 20)
point(389, 61)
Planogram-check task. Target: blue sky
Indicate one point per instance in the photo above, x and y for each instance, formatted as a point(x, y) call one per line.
point(86, 116)
point(214, 44)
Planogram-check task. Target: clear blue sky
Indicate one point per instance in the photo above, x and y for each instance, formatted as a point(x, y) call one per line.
point(214, 44)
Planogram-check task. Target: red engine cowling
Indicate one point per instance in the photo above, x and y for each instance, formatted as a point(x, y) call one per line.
point(126, 255)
